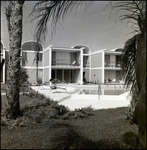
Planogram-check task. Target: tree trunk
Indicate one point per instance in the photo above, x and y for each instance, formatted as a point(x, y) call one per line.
point(14, 20)
point(140, 109)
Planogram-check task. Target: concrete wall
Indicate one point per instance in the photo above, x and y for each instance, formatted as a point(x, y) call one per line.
point(112, 58)
point(110, 74)
point(29, 60)
point(32, 75)
point(78, 57)
point(96, 60)
point(96, 74)
point(46, 58)
point(46, 75)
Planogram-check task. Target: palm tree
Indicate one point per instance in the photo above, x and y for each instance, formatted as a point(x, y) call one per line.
point(14, 14)
point(134, 64)
point(136, 14)
point(133, 55)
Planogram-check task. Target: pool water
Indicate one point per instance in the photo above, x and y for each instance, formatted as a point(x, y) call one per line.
point(105, 92)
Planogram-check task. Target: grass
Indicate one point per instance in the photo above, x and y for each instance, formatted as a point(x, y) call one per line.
point(44, 124)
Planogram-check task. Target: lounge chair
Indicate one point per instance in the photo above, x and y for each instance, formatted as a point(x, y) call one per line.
point(57, 84)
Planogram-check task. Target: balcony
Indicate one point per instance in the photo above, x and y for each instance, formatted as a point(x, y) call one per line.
point(65, 63)
point(113, 64)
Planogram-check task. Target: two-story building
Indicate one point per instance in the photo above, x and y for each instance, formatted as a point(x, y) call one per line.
point(106, 65)
point(70, 64)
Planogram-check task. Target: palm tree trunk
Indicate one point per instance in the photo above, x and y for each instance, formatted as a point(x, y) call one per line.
point(14, 20)
point(140, 109)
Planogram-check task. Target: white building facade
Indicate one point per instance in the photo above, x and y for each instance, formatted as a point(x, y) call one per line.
point(70, 64)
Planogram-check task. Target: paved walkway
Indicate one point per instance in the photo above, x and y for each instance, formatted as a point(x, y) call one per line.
point(73, 99)
point(59, 96)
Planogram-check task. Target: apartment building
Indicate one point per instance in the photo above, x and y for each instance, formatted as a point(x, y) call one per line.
point(65, 63)
point(106, 65)
point(70, 64)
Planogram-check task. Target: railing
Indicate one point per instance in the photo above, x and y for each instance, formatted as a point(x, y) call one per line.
point(113, 64)
point(65, 62)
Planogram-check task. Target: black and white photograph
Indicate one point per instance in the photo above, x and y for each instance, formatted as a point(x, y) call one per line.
point(73, 74)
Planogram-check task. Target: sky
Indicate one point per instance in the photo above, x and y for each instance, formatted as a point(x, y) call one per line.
point(94, 28)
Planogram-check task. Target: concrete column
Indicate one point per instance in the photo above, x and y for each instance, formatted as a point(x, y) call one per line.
point(81, 66)
point(103, 65)
point(43, 67)
point(90, 67)
point(62, 74)
point(50, 62)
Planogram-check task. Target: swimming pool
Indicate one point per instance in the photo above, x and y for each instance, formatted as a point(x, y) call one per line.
point(104, 91)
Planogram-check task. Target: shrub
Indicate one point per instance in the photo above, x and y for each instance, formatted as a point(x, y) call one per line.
point(129, 140)
point(23, 76)
point(78, 113)
point(131, 107)
point(40, 108)
point(86, 110)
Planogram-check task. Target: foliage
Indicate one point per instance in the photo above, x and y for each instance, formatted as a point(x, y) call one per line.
point(106, 129)
point(82, 113)
point(43, 107)
point(38, 108)
point(129, 140)
point(136, 12)
point(131, 107)
point(128, 62)
point(54, 11)
point(23, 76)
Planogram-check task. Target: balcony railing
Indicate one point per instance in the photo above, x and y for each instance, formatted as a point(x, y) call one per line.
point(65, 62)
point(113, 64)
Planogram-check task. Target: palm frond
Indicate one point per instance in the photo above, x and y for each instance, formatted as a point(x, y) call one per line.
point(128, 61)
point(54, 11)
point(135, 10)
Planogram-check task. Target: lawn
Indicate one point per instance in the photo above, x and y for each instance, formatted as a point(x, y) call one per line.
point(44, 124)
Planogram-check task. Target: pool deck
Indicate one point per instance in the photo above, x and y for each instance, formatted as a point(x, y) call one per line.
point(73, 99)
